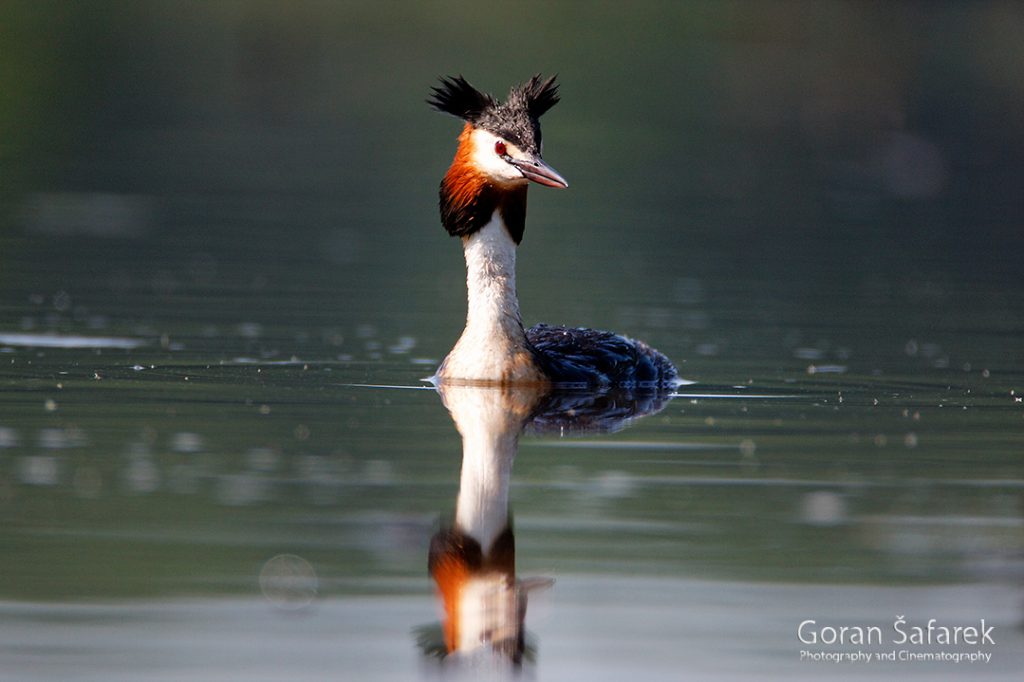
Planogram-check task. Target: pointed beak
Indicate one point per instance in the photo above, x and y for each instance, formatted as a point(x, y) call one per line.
point(534, 168)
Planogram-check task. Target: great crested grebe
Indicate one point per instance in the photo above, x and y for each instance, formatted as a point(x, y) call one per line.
point(483, 201)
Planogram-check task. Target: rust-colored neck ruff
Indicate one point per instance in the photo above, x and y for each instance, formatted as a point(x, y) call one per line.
point(469, 199)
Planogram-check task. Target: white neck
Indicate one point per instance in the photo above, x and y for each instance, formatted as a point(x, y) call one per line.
point(491, 281)
point(493, 346)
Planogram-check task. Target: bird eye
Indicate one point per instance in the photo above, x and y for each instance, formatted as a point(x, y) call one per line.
point(500, 149)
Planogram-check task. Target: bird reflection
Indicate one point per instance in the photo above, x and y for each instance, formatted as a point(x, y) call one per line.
point(473, 560)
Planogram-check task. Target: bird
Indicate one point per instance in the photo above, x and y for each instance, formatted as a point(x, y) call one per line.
point(483, 202)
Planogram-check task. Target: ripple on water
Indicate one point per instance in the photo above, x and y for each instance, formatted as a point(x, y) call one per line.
point(20, 339)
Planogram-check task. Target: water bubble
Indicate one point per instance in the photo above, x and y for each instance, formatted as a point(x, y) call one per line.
point(8, 437)
point(707, 349)
point(61, 301)
point(56, 439)
point(613, 484)
point(823, 508)
point(262, 459)
point(237, 490)
point(250, 330)
point(141, 476)
point(378, 472)
point(187, 442)
point(39, 470)
point(288, 582)
point(403, 345)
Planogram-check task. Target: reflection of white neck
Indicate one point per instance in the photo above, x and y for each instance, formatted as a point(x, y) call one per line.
point(493, 345)
point(485, 609)
point(490, 433)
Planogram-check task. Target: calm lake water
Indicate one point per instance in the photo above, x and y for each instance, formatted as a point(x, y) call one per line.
point(220, 293)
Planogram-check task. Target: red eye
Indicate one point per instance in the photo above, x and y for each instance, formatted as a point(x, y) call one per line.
point(500, 149)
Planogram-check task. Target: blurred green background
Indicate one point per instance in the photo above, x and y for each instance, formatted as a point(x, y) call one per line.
point(853, 143)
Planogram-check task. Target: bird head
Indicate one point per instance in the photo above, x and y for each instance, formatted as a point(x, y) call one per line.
point(503, 138)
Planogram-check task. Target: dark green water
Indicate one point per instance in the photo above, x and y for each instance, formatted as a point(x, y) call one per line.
point(221, 274)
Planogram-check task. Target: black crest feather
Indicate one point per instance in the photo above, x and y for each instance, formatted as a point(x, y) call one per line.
point(457, 97)
point(538, 95)
point(517, 119)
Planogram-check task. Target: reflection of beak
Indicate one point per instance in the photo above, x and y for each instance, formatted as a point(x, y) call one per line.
point(534, 168)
